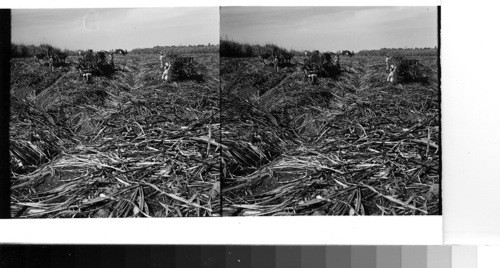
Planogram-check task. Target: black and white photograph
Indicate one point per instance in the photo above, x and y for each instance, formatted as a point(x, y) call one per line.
point(237, 111)
point(190, 125)
point(330, 111)
point(114, 113)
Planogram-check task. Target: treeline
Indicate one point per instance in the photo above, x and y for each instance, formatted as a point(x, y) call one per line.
point(171, 50)
point(400, 51)
point(22, 50)
point(227, 48)
point(233, 49)
point(230, 48)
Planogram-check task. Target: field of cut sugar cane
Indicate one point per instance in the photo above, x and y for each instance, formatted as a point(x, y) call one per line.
point(355, 145)
point(123, 145)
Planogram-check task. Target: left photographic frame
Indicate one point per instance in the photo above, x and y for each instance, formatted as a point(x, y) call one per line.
point(114, 113)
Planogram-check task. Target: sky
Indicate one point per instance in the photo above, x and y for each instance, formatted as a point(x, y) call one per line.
point(332, 28)
point(116, 28)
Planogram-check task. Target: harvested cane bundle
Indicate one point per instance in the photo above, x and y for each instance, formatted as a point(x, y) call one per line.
point(330, 69)
point(184, 68)
point(322, 65)
point(327, 56)
point(96, 63)
point(88, 60)
point(410, 70)
point(315, 58)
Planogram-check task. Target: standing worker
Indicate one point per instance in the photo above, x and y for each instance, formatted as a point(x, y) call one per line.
point(387, 62)
point(276, 62)
point(392, 74)
point(165, 72)
point(161, 60)
point(51, 64)
point(112, 58)
point(336, 61)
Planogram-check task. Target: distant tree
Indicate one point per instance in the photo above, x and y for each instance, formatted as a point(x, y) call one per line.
point(402, 51)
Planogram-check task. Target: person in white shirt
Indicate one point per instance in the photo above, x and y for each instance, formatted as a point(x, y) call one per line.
point(87, 76)
point(164, 76)
point(387, 62)
point(161, 60)
point(392, 74)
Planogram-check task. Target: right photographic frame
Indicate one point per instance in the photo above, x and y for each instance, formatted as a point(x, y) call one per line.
point(330, 111)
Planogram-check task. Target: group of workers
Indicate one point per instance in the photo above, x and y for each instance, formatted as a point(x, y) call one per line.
point(53, 57)
point(329, 57)
point(165, 65)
